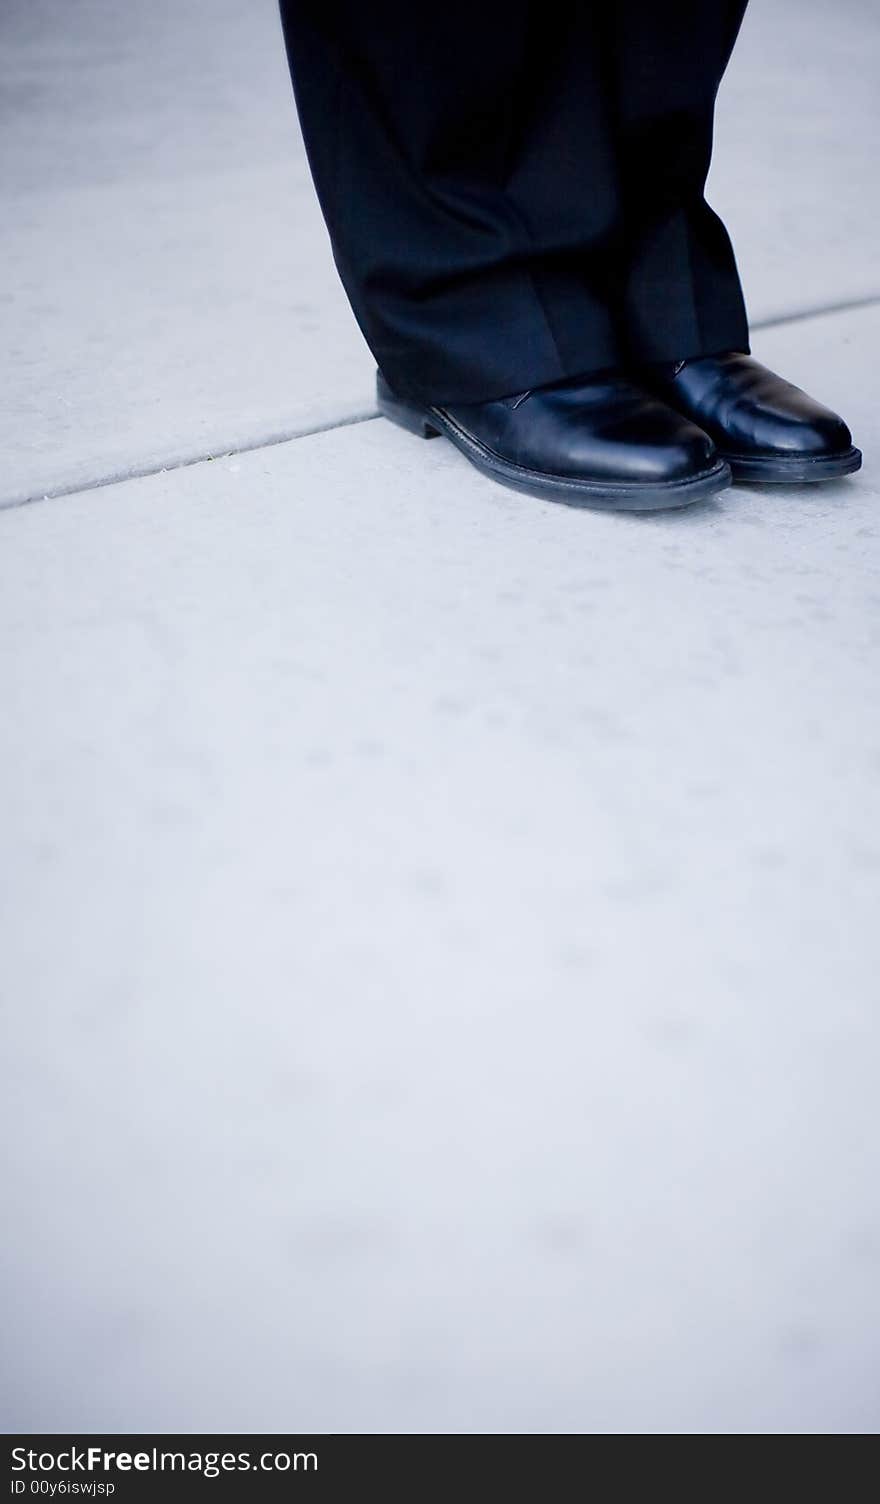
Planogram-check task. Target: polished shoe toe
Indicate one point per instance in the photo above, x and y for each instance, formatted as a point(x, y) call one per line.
point(616, 431)
point(766, 428)
point(668, 449)
point(820, 432)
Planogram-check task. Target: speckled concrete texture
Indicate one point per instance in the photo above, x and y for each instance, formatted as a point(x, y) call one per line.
point(440, 943)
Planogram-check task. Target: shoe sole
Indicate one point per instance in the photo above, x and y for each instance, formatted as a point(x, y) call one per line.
point(431, 422)
point(796, 471)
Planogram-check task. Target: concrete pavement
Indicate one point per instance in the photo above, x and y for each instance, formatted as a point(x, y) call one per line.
point(439, 935)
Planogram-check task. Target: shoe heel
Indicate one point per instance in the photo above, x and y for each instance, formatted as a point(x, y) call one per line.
point(406, 415)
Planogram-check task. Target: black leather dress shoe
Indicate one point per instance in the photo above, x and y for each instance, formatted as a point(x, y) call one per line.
point(763, 426)
point(595, 441)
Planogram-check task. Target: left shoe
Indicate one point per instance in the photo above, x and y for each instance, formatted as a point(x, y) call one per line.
point(765, 428)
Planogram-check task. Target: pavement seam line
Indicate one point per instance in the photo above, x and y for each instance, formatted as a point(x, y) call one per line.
point(117, 477)
point(803, 315)
point(185, 462)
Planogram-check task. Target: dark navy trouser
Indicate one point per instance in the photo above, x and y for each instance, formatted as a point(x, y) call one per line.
point(514, 192)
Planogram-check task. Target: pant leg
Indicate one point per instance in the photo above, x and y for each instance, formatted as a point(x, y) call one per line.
point(489, 177)
point(677, 286)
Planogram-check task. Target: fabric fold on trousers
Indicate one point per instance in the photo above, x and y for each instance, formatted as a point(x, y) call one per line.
point(514, 194)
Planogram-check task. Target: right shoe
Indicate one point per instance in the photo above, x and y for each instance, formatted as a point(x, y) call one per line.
point(766, 429)
point(594, 441)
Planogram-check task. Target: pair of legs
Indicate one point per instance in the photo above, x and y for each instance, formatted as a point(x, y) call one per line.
point(515, 199)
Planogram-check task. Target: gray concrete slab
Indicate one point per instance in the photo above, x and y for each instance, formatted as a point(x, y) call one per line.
point(794, 174)
point(167, 285)
point(440, 929)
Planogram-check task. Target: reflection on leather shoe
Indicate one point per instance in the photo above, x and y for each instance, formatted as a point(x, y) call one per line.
point(593, 441)
point(763, 426)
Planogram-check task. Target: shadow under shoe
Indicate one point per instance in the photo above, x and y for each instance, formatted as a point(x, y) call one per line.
point(765, 428)
point(595, 441)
